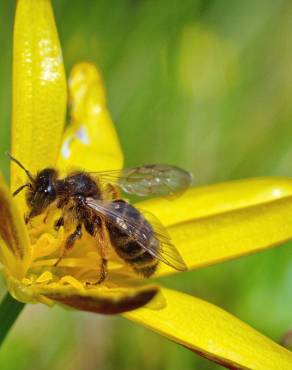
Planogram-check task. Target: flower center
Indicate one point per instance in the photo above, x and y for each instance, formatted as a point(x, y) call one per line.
point(81, 263)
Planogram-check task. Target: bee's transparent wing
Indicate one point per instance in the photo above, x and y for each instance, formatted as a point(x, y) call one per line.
point(130, 224)
point(167, 253)
point(151, 179)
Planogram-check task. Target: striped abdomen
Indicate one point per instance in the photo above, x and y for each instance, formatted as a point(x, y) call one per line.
point(124, 242)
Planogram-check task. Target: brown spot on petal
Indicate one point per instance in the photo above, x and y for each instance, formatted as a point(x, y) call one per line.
point(216, 360)
point(106, 305)
point(8, 227)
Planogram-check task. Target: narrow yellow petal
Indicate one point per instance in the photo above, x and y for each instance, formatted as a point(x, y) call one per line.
point(212, 333)
point(39, 89)
point(90, 142)
point(15, 252)
point(98, 299)
point(204, 201)
point(219, 222)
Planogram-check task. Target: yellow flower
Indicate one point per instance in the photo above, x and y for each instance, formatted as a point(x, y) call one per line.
point(208, 224)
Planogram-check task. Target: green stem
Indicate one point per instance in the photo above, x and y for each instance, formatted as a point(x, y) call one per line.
point(9, 311)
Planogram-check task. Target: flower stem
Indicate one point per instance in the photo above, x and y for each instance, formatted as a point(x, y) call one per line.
point(9, 311)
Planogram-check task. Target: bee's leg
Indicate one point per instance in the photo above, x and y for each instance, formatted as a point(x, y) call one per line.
point(103, 271)
point(62, 202)
point(103, 244)
point(59, 223)
point(97, 229)
point(46, 217)
point(26, 219)
point(70, 242)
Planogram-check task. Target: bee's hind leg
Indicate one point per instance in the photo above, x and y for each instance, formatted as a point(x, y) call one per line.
point(103, 271)
point(97, 229)
point(72, 238)
point(103, 245)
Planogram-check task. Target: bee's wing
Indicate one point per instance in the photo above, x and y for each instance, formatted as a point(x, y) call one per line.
point(167, 252)
point(151, 179)
point(130, 224)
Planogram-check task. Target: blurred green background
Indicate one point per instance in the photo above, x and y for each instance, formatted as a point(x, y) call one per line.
point(202, 84)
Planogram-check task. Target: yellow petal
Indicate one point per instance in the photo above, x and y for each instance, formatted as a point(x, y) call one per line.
point(203, 201)
point(15, 252)
point(39, 89)
point(90, 142)
point(218, 222)
point(212, 333)
point(99, 299)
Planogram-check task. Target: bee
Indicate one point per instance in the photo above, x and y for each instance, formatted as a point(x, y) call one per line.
point(138, 238)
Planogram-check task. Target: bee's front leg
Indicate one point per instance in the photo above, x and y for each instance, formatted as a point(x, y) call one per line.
point(69, 244)
point(62, 202)
point(45, 219)
point(59, 223)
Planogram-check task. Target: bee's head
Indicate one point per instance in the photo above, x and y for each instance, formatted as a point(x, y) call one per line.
point(41, 189)
point(42, 192)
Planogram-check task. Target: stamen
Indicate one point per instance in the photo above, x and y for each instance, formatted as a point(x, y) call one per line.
point(45, 277)
point(47, 244)
point(71, 281)
point(67, 262)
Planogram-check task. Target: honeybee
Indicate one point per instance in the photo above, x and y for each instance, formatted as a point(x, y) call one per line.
point(138, 237)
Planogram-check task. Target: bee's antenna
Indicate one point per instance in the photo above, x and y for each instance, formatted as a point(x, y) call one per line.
point(29, 175)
